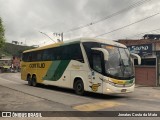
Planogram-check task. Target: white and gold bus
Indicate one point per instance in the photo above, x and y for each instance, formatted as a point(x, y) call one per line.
point(85, 64)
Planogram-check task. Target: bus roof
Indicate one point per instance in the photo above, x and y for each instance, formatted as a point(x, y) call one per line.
point(109, 42)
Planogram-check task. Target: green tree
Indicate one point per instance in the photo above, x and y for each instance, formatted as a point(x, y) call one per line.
point(2, 37)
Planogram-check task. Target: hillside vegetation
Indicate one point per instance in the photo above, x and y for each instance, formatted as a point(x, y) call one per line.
point(13, 50)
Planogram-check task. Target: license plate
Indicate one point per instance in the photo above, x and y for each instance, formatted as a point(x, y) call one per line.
point(123, 90)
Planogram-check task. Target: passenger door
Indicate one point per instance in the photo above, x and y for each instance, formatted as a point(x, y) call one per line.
point(97, 66)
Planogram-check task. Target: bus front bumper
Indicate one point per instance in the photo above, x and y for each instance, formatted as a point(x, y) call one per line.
point(110, 89)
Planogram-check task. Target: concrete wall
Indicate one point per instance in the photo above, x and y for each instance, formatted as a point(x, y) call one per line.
point(145, 75)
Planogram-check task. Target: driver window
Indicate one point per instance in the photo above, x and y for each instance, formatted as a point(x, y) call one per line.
point(97, 66)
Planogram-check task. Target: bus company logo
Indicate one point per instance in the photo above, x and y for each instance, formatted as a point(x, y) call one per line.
point(76, 66)
point(37, 65)
point(94, 87)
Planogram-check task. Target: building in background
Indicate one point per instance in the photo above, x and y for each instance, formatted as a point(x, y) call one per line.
point(148, 73)
point(15, 64)
point(9, 64)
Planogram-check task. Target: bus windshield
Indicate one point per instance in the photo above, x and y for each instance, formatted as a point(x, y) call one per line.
point(119, 62)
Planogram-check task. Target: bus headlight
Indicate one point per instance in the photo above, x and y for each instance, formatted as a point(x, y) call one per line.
point(108, 81)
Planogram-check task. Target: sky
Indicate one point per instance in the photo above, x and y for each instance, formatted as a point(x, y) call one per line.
point(30, 22)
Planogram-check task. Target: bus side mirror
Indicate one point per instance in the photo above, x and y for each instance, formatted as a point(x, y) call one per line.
point(104, 51)
point(133, 55)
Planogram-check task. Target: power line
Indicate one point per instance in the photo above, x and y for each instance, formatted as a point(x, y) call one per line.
point(128, 25)
point(136, 4)
point(143, 33)
point(47, 36)
point(138, 34)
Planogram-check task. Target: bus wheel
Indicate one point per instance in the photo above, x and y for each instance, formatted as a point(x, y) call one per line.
point(79, 87)
point(34, 81)
point(29, 80)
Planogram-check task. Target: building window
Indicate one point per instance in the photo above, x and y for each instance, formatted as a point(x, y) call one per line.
point(146, 61)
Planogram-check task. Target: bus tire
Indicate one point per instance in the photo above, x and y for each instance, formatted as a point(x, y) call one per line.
point(29, 80)
point(79, 87)
point(34, 81)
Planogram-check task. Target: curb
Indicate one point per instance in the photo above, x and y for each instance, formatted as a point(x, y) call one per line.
point(136, 86)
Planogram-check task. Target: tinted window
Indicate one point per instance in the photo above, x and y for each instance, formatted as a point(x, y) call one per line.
point(24, 57)
point(75, 52)
point(39, 55)
point(97, 65)
point(87, 47)
point(67, 52)
point(47, 55)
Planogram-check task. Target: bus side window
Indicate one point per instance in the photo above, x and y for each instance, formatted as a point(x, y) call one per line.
point(47, 55)
point(76, 53)
point(39, 56)
point(33, 56)
point(24, 57)
point(56, 53)
point(97, 64)
point(29, 59)
point(65, 53)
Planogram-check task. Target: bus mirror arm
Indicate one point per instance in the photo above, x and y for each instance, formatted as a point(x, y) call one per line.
point(104, 51)
point(133, 55)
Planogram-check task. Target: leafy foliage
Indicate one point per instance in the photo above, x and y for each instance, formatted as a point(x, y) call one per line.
point(2, 33)
point(8, 48)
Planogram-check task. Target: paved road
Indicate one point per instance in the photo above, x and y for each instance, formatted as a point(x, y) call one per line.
point(16, 95)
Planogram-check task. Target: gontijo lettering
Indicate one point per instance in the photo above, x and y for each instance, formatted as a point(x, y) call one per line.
point(37, 65)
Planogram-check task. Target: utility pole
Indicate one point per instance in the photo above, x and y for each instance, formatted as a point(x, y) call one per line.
point(60, 35)
point(47, 36)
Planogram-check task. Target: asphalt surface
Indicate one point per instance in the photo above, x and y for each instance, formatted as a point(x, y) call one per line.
point(16, 95)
